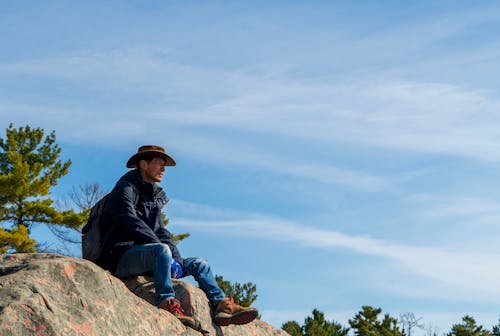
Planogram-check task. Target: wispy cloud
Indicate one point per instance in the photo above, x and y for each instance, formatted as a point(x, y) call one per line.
point(481, 210)
point(418, 117)
point(217, 150)
point(467, 274)
point(405, 115)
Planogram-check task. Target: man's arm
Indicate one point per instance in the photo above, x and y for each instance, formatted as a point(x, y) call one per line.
point(123, 213)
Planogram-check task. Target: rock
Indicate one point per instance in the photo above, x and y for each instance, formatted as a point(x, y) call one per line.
point(48, 295)
point(195, 303)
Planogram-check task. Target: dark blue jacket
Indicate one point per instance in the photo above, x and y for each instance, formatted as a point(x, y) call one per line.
point(133, 212)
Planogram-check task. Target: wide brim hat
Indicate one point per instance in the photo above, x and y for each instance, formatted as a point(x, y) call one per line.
point(149, 151)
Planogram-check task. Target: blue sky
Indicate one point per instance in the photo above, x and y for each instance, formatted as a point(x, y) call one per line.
point(337, 154)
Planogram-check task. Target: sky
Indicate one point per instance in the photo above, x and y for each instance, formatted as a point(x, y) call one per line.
point(335, 153)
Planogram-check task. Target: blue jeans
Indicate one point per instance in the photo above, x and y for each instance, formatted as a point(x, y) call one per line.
point(140, 259)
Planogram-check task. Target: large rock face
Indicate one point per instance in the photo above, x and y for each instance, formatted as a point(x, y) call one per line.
point(44, 294)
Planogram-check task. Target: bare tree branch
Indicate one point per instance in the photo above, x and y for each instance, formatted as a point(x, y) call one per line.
point(86, 195)
point(408, 321)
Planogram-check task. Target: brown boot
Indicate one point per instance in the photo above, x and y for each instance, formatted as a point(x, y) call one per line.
point(227, 312)
point(173, 306)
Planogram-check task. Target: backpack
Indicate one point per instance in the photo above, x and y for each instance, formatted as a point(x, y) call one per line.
point(95, 233)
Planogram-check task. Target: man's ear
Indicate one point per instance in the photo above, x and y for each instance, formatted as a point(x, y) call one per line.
point(142, 164)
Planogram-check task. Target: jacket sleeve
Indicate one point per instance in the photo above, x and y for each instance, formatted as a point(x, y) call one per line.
point(123, 213)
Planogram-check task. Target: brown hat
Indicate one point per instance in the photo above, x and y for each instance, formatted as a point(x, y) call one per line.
point(150, 151)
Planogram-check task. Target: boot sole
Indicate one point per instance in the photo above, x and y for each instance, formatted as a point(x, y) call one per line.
point(244, 317)
point(189, 322)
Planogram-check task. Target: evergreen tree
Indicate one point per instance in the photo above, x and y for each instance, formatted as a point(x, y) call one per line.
point(293, 328)
point(495, 331)
point(315, 325)
point(176, 238)
point(243, 295)
point(468, 327)
point(29, 167)
point(366, 323)
point(18, 238)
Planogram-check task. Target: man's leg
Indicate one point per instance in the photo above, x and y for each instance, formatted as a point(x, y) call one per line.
point(157, 258)
point(202, 273)
point(145, 258)
point(226, 311)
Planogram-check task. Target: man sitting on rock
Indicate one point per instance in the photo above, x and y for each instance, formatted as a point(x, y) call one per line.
point(139, 243)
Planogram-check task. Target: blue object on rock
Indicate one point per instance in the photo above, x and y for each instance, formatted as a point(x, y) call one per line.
point(176, 270)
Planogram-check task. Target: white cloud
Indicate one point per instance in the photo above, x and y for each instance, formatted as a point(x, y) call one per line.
point(467, 206)
point(465, 275)
point(475, 209)
point(418, 117)
point(196, 210)
point(414, 116)
point(259, 156)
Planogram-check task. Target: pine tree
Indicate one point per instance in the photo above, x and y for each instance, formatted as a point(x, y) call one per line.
point(29, 167)
point(243, 295)
point(468, 327)
point(495, 331)
point(176, 238)
point(366, 323)
point(293, 328)
point(16, 237)
point(315, 325)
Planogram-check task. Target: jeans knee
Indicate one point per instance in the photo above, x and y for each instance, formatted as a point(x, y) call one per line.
point(162, 249)
point(201, 264)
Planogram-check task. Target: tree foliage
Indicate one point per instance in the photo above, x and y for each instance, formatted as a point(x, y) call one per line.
point(495, 331)
point(315, 325)
point(293, 328)
point(243, 294)
point(468, 327)
point(176, 238)
point(367, 323)
point(29, 168)
point(18, 238)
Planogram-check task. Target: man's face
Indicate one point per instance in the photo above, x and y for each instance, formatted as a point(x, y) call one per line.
point(152, 171)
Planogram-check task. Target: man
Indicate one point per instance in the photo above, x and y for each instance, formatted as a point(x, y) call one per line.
point(139, 243)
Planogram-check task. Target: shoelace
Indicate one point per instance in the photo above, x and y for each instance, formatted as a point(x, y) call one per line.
point(231, 301)
point(175, 307)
